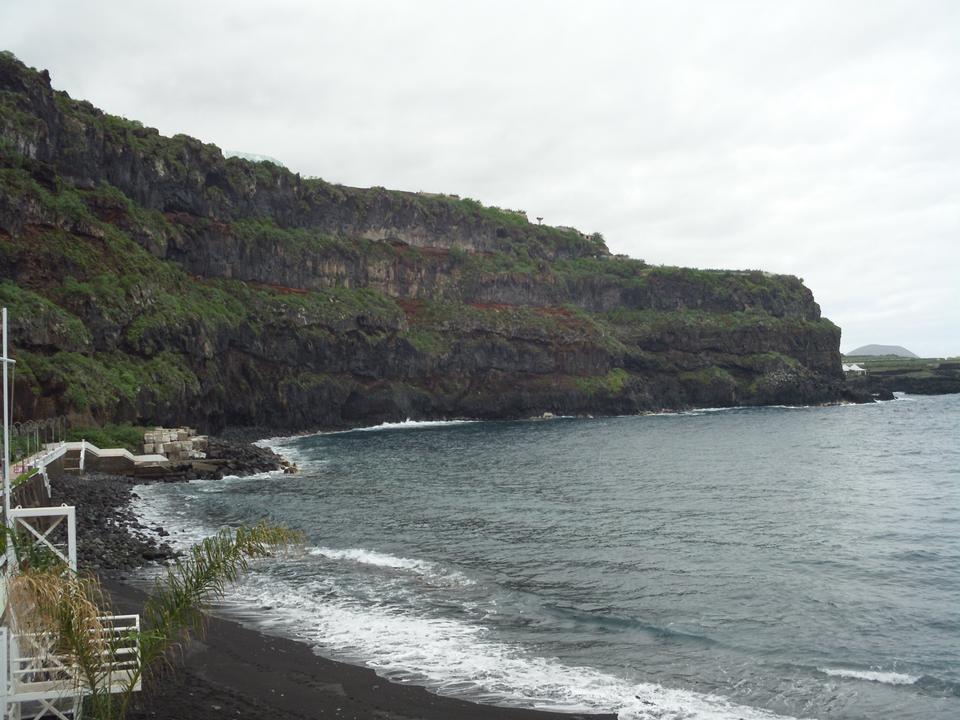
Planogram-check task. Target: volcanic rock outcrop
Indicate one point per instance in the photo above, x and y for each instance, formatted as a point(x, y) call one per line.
point(152, 280)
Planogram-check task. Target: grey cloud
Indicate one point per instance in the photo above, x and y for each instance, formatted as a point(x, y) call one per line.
point(813, 138)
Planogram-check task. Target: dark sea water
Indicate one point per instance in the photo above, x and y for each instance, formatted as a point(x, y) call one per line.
point(745, 563)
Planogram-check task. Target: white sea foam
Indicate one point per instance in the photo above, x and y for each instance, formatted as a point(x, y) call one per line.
point(880, 676)
point(453, 657)
point(216, 484)
point(157, 507)
point(161, 505)
point(691, 411)
point(409, 424)
point(371, 557)
point(303, 459)
point(286, 446)
point(706, 410)
point(272, 442)
point(284, 441)
point(715, 409)
point(424, 568)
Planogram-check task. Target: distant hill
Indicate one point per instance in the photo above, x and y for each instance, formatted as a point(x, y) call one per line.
point(883, 350)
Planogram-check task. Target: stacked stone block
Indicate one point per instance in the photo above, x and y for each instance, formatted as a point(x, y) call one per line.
point(177, 444)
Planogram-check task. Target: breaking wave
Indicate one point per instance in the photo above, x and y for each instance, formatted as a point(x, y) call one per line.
point(880, 676)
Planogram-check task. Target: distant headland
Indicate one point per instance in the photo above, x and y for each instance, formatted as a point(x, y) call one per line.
point(896, 350)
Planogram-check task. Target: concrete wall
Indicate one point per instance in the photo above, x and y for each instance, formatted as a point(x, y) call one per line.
point(32, 493)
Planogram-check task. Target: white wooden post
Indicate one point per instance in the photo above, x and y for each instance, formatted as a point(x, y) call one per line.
point(4, 672)
point(6, 440)
point(72, 535)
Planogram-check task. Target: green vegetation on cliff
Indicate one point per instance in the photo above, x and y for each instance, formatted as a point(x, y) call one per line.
point(151, 280)
point(110, 435)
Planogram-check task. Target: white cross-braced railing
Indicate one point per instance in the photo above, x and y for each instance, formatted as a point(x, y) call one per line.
point(49, 682)
point(24, 519)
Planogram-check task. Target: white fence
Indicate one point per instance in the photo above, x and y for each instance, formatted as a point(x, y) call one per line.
point(38, 678)
point(24, 522)
point(44, 681)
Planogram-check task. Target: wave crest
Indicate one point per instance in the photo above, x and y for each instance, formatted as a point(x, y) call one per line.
point(881, 676)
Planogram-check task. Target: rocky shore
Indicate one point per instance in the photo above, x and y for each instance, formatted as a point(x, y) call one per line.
point(233, 671)
point(942, 380)
point(110, 538)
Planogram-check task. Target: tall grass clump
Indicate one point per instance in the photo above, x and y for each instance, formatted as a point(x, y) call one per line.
point(57, 614)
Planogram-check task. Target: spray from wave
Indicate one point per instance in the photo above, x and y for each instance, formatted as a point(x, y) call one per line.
point(880, 676)
point(424, 568)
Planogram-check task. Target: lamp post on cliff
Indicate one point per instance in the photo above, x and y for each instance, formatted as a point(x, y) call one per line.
point(6, 441)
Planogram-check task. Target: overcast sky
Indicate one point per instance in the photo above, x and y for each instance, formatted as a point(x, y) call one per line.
point(820, 139)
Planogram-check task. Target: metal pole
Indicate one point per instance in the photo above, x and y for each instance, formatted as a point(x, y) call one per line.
point(6, 444)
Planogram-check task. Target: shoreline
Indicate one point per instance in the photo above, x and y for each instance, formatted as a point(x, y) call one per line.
point(233, 670)
point(265, 437)
point(209, 690)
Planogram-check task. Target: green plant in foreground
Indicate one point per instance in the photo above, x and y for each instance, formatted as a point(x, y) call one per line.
point(70, 608)
point(30, 554)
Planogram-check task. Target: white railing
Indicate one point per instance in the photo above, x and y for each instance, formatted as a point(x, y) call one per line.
point(4, 652)
point(65, 548)
point(83, 448)
point(40, 459)
point(42, 675)
point(37, 463)
point(124, 659)
point(38, 679)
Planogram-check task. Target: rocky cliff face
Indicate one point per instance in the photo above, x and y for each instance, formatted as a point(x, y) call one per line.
point(152, 280)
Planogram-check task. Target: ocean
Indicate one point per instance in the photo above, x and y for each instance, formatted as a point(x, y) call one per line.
point(746, 563)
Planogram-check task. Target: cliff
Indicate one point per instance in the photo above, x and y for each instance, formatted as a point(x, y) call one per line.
point(916, 376)
point(152, 280)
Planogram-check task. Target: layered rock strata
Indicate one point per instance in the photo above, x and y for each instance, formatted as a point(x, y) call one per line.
point(154, 281)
